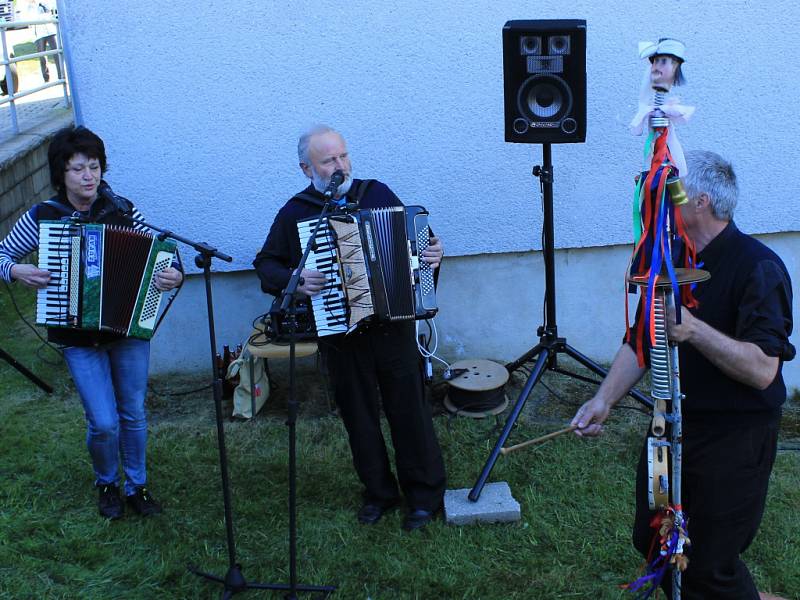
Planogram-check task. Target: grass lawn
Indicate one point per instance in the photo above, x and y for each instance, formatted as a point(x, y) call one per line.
point(573, 540)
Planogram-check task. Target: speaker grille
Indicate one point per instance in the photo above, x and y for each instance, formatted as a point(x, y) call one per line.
point(545, 98)
point(545, 64)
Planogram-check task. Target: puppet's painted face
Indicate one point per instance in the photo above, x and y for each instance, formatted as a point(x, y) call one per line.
point(662, 71)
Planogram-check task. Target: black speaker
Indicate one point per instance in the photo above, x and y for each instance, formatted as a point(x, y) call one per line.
point(544, 75)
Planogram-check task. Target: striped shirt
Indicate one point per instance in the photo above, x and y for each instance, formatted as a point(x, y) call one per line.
point(24, 239)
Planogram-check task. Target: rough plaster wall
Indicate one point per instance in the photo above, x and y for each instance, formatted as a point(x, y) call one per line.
point(489, 307)
point(201, 103)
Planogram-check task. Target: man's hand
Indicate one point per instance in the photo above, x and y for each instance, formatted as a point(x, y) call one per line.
point(590, 418)
point(168, 279)
point(622, 376)
point(30, 275)
point(311, 282)
point(683, 332)
point(433, 253)
point(744, 362)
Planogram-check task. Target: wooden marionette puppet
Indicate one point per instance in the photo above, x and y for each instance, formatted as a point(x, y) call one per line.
point(658, 228)
point(657, 223)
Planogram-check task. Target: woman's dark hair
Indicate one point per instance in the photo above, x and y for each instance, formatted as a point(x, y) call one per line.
point(68, 142)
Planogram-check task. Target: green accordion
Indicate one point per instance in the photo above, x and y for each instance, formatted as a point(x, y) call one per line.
point(102, 277)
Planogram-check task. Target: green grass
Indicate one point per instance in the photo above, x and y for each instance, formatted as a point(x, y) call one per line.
point(24, 48)
point(30, 67)
point(573, 540)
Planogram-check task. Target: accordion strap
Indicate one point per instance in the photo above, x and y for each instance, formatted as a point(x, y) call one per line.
point(69, 212)
point(362, 189)
point(59, 207)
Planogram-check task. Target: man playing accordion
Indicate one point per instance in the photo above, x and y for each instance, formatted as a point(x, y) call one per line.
point(378, 356)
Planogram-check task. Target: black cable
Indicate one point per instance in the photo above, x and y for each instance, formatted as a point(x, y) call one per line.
point(47, 361)
point(430, 334)
point(184, 393)
point(31, 327)
point(556, 395)
point(579, 404)
point(479, 402)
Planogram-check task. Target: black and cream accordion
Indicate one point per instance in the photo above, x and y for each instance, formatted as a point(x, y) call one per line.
point(372, 259)
point(102, 277)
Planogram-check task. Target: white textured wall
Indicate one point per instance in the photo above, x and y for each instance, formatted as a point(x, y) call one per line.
point(201, 104)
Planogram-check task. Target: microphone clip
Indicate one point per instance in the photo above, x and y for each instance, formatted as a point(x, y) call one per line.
point(337, 178)
point(346, 207)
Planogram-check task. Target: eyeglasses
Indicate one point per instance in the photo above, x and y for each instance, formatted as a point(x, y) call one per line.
point(78, 169)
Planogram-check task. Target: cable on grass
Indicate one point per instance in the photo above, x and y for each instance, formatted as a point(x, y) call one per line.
point(32, 328)
point(181, 393)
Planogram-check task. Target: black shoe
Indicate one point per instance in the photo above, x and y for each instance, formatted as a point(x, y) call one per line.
point(417, 519)
point(143, 502)
point(370, 513)
point(109, 503)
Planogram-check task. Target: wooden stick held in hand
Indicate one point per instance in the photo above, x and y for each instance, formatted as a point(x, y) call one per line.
point(538, 440)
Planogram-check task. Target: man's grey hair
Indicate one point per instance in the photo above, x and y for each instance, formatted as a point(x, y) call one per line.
point(302, 143)
point(709, 173)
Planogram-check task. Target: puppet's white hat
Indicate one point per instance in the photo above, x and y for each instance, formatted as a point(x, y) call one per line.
point(669, 46)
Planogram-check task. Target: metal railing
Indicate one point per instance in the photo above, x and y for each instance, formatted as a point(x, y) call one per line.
point(8, 60)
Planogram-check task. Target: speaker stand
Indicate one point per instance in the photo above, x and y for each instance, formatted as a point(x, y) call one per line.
point(546, 352)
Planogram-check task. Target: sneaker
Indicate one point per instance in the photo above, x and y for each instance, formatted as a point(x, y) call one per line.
point(143, 502)
point(109, 503)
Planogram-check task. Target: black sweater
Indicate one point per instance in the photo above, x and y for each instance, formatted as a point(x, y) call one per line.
point(281, 252)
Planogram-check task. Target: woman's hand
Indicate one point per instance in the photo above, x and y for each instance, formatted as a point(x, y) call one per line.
point(30, 275)
point(168, 279)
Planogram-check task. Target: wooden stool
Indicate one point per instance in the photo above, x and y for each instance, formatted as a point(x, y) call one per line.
point(259, 347)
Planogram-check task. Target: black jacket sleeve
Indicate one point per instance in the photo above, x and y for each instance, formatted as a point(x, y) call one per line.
point(275, 261)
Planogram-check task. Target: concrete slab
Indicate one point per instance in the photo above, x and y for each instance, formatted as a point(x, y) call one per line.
point(495, 505)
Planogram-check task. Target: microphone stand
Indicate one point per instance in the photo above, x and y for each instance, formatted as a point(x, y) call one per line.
point(288, 310)
point(233, 581)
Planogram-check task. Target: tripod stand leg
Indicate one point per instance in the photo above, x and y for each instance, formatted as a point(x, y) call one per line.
point(536, 375)
point(593, 366)
point(14, 363)
point(513, 366)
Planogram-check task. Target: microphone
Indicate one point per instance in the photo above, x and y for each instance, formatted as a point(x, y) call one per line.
point(123, 205)
point(336, 180)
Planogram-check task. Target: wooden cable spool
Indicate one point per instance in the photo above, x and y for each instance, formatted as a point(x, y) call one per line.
point(478, 389)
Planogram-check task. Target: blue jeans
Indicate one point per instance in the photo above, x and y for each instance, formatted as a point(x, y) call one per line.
point(112, 383)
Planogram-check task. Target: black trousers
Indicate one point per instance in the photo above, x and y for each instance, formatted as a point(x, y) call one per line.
point(384, 357)
point(725, 478)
